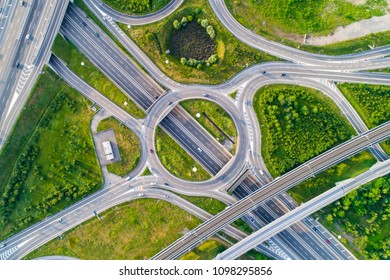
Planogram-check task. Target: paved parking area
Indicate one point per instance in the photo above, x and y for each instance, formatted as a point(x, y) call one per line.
point(99, 138)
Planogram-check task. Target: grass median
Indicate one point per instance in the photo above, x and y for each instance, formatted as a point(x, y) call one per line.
point(215, 117)
point(128, 144)
point(65, 50)
point(372, 102)
point(176, 160)
point(327, 179)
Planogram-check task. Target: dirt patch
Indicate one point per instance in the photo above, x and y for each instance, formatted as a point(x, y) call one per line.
point(191, 41)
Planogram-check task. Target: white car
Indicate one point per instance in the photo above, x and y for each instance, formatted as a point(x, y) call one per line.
point(3, 245)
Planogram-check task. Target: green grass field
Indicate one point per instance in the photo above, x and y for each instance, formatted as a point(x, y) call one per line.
point(217, 114)
point(128, 144)
point(176, 160)
point(65, 50)
point(299, 18)
point(132, 231)
point(297, 123)
point(372, 102)
point(327, 179)
point(137, 6)
point(56, 122)
point(232, 54)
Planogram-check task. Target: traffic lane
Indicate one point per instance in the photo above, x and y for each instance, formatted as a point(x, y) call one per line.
point(201, 134)
point(190, 146)
point(285, 236)
point(127, 65)
point(107, 64)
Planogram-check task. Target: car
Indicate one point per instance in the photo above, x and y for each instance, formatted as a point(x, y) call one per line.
point(283, 75)
point(128, 178)
point(166, 196)
point(59, 220)
point(22, 3)
point(156, 96)
point(17, 65)
point(247, 102)
point(28, 37)
point(166, 184)
point(205, 94)
point(252, 220)
point(141, 194)
point(83, 23)
point(97, 35)
point(327, 241)
point(151, 151)
point(200, 150)
point(222, 177)
point(315, 229)
point(3, 245)
point(264, 72)
point(170, 103)
point(153, 184)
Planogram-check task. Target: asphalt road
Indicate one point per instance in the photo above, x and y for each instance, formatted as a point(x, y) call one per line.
point(306, 209)
point(288, 180)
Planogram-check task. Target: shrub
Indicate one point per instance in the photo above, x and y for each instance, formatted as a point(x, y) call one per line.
point(176, 24)
point(204, 23)
point(184, 21)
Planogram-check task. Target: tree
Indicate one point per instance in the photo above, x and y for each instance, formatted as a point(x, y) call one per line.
point(184, 21)
point(176, 24)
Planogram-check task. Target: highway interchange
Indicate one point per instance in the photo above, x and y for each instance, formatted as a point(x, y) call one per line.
point(253, 191)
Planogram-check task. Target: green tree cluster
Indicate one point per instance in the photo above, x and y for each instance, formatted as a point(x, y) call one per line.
point(130, 6)
point(297, 124)
point(365, 213)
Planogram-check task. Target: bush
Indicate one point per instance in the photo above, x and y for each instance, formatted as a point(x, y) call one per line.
point(184, 21)
point(177, 24)
point(183, 60)
point(204, 23)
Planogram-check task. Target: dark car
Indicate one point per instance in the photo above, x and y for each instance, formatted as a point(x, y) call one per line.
point(151, 151)
point(264, 72)
point(283, 75)
point(83, 23)
point(166, 184)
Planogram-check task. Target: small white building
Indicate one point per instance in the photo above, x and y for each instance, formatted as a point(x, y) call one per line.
point(108, 150)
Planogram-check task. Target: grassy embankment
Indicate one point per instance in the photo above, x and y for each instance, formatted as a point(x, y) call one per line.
point(176, 160)
point(372, 102)
point(49, 161)
point(233, 56)
point(65, 50)
point(218, 115)
point(281, 21)
point(128, 144)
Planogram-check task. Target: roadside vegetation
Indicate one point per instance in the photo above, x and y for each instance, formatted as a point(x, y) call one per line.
point(297, 123)
point(65, 50)
point(362, 219)
point(176, 160)
point(146, 172)
point(128, 144)
point(156, 40)
point(327, 179)
point(136, 230)
point(137, 6)
point(214, 113)
point(209, 249)
point(41, 164)
point(288, 22)
point(372, 102)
